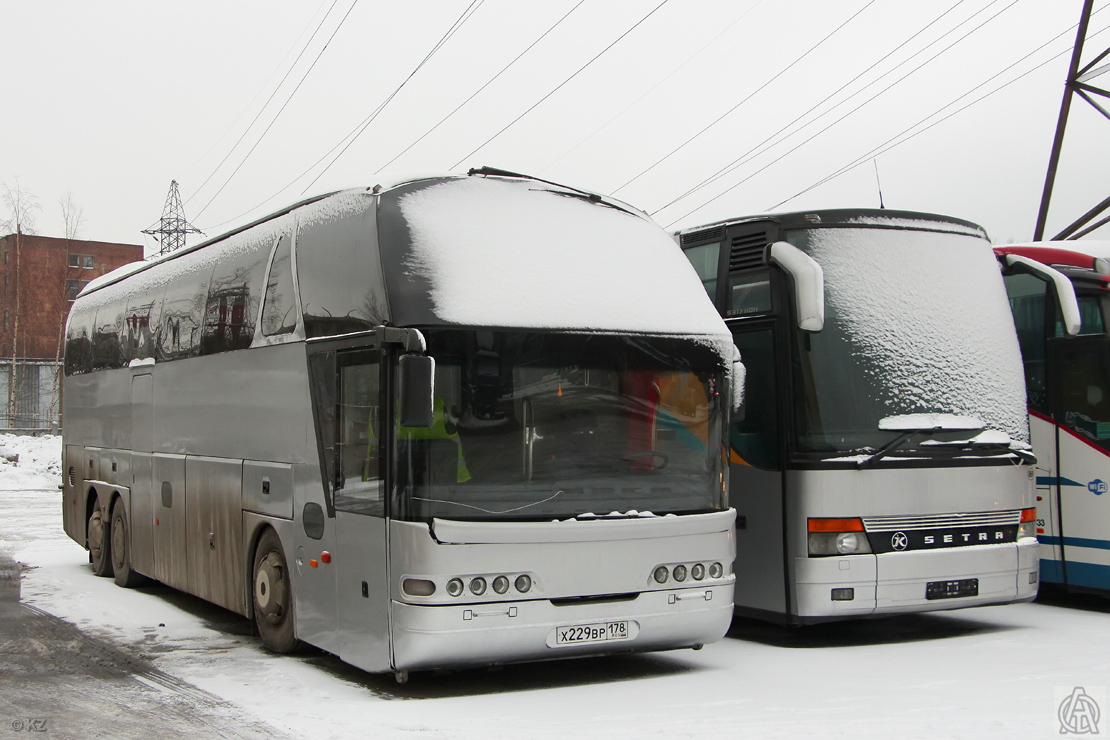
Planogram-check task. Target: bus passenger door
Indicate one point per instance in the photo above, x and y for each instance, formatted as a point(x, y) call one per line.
point(1082, 413)
point(756, 478)
point(348, 410)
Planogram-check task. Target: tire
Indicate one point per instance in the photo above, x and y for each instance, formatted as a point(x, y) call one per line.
point(99, 542)
point(273, 595)
point(120, 536)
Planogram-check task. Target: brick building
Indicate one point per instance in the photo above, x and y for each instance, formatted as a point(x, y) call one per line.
point(39, 278)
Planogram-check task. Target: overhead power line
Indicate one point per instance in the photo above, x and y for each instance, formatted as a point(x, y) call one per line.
point(261, 110)
point(561, 84)
point(898, 140)
point(282, 109)
point(353, 136)
point(862, 104)
point(365, 122)
point(778, 137)
point(483, 87)
point(652, 89)
point(781, 72)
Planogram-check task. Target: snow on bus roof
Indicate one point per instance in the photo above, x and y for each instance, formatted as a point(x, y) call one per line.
point(954, 227)
point(522, 254)
point(246, 239)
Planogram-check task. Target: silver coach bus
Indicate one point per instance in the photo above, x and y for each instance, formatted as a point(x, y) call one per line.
point(883, 464)
point(452, 421)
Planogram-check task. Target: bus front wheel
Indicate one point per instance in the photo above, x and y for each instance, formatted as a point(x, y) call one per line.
point(273, 595)
point(100, 545)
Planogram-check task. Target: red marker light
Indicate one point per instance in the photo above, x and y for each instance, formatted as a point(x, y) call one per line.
point(325, 557)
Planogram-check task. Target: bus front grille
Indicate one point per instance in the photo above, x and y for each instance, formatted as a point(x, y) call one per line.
point(941, 521)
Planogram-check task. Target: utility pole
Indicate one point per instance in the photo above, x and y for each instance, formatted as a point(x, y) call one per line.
point(171, 229)
point(1078, 83)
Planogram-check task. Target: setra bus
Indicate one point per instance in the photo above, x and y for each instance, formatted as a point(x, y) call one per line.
point(453, 421)
point(1061, 319)
point(883, 464)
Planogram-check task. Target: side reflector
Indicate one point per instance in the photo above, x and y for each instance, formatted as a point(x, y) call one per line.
point(314, 563)
point(835, 525)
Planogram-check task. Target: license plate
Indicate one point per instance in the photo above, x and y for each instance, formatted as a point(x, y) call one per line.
point(582, 633)
point(952, 589)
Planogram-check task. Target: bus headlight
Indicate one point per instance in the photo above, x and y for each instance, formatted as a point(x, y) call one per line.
point(501, 584)
point(837, 537)
point(455, 587)
point(478, 586)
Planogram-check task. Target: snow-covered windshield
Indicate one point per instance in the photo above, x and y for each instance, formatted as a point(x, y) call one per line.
point(916, 322)
point(545, 425)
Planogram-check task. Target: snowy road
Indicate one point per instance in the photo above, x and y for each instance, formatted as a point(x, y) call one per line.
point(994, 672)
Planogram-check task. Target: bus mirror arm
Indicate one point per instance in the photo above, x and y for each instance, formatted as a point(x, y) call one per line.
point(809, 284)
point(1065, 291)
point(417, 389)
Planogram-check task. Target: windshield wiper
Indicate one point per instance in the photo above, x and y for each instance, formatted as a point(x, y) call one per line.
point(988, 443)
point(913, 425)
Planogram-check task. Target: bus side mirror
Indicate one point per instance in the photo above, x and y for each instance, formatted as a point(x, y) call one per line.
point(809, 284)
point(417, 375)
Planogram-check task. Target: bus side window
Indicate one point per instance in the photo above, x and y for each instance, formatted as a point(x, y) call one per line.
point(279, 312)
point(755, 439)
point(1028, 303)
point(233, 297)
point(1084, 392)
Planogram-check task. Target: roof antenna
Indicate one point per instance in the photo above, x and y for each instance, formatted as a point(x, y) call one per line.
point(878, 182)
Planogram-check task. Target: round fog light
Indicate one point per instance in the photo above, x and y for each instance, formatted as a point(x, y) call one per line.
point(698, 572)
point(454, 587)
point(523, 584)
point(716, 570)
point(478, 586)
point(501, 584)
point(660, 575)
point(680, 573)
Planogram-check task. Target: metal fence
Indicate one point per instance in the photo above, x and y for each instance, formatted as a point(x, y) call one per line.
point(33, 401)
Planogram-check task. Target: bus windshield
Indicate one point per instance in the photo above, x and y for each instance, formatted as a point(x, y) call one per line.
point(916, 322)
point(541, 426)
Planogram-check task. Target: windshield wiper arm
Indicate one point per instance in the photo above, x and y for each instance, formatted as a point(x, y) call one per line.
point(889, 447)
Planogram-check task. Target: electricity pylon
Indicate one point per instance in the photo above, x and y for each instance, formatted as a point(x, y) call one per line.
point(171, 229)
point(1078, 83)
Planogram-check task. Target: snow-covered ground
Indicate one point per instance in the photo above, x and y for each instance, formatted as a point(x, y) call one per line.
point(994, 672)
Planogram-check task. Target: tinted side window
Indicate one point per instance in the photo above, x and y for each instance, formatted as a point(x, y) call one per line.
point(279, 311)
point(107, 339)
point(233, 296)
point(179, 328)
point(340, 276)
point(706, 259)
point(1028, 303)
point(755, 439)
point(78, 357)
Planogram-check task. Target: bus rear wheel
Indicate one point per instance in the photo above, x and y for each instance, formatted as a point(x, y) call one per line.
point(120, 535)
point(273, 595)
point(99, 540)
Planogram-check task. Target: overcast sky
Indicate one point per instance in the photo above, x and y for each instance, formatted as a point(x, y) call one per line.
point(243, 105)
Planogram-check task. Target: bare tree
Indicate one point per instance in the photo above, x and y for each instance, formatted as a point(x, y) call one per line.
point(22, 205)
point(73, 217)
